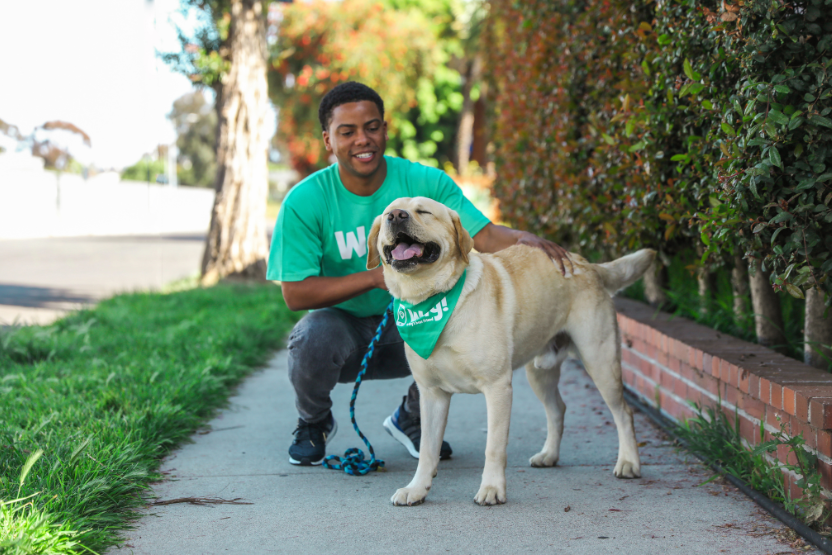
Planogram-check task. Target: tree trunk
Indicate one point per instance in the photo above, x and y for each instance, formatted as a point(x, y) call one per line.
point(768, 318)
point(706, 284)
point(655, 283)
point(236, 245)
point(479, 141)
point(739, 286)
point(465, 133)
point(817, 331)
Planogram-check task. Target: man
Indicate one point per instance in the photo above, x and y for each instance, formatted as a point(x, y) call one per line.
point(319, 251)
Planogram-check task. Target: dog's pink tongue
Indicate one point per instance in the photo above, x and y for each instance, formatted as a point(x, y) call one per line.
point(403, 251)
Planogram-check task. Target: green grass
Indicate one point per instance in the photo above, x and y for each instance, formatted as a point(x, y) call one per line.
point(105, 393)
point(712, 435)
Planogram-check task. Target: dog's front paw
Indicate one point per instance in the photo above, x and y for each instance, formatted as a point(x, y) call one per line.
point(409, 497)
point(543, 460)
point(627, 469)
point(490, 495)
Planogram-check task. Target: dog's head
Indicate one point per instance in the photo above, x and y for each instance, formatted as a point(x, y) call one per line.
point(415, 235)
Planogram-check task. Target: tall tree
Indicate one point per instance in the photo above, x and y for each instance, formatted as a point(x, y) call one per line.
point(236, 244)
point(229, 53)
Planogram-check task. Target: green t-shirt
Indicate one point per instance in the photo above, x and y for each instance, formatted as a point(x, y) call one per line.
point(322, 228)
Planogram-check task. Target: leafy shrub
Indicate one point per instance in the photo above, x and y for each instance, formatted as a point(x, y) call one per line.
point(676, 125)
point(776, 178)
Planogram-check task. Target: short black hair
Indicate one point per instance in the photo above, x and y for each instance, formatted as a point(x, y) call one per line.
point(350, 91)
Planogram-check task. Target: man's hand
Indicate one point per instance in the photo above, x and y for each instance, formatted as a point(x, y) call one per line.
point(555, 251)
point(493, 238)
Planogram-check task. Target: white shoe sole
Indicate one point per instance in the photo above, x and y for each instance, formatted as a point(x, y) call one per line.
point(328, 439)
point(399, 436)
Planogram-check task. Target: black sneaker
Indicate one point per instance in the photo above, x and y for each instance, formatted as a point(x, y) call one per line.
point(408, 430)
point(309, 447)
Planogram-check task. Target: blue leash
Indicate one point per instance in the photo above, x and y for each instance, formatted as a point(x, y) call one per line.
point(353, 462)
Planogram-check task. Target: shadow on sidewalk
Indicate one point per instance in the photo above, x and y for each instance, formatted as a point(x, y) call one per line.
point(41, 297)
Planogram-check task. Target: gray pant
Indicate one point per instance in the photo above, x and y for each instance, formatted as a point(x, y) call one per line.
point(326, 347)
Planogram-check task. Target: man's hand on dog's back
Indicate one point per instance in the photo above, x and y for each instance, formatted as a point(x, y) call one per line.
point(494, 238)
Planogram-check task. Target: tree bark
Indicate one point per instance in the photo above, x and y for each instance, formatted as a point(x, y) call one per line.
point(817, 331)
point(465, 132)
point(236, 245)
point(739, 286)
point(768, 317)
point(706, 284)
point(655, 284)
point(479, 141)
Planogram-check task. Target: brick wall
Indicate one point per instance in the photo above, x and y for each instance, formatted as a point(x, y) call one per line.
point(668, 361)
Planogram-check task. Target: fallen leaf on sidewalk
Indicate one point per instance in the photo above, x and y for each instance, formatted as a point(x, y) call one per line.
point(202, 501)
point(567, 509)
point(209, 430)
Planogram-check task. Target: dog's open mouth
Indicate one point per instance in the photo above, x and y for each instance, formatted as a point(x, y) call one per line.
point(407, 251)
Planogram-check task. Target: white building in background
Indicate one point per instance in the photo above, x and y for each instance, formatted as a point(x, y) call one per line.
point(39, 203)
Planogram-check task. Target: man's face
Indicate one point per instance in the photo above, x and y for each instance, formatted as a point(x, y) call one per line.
point(357, 135)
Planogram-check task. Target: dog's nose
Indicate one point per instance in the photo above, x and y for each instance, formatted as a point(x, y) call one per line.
point(397, 216)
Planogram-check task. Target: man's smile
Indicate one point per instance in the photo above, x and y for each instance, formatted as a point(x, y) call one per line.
point(365, 156)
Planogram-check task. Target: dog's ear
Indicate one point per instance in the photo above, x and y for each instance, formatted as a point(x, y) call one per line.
point(463, 240)
point(372, 244)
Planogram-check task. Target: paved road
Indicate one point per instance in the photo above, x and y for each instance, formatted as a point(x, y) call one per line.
point(576, 508)
point(41, 279)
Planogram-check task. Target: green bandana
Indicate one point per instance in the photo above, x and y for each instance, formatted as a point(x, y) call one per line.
point(421, 325)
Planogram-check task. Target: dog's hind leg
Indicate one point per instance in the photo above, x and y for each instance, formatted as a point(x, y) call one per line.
point(543, 375)
point(596, 338)
point(433, 405)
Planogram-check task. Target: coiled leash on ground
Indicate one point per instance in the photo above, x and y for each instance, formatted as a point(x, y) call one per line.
point(353, 462)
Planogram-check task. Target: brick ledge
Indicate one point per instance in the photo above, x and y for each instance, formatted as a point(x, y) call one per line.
point(668, 361)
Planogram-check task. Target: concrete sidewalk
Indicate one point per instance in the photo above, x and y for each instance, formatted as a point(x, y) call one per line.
point(577, 507)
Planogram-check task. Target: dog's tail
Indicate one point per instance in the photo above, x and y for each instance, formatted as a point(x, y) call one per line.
point(618, 274)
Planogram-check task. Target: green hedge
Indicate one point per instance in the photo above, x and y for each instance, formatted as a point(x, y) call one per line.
point(676, 125)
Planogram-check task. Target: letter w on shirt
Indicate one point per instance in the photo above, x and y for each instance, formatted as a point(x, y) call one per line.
point(354, 242)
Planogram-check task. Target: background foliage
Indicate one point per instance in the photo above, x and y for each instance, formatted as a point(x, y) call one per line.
point(679, 125)
point(397, 50)
point(195, 121)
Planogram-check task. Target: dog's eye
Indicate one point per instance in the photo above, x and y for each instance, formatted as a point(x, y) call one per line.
point(423, 212)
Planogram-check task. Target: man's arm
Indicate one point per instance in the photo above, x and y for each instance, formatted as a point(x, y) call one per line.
point(493, 238)
point(321, 292)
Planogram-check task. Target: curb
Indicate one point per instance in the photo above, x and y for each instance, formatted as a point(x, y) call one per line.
point(775, 509)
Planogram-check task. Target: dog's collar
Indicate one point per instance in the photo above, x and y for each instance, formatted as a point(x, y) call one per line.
point(420, 325)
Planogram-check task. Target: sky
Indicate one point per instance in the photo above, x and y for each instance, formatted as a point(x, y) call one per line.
point(93, 63)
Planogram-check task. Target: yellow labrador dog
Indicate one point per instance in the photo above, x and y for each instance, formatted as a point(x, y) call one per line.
point(512, 306)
